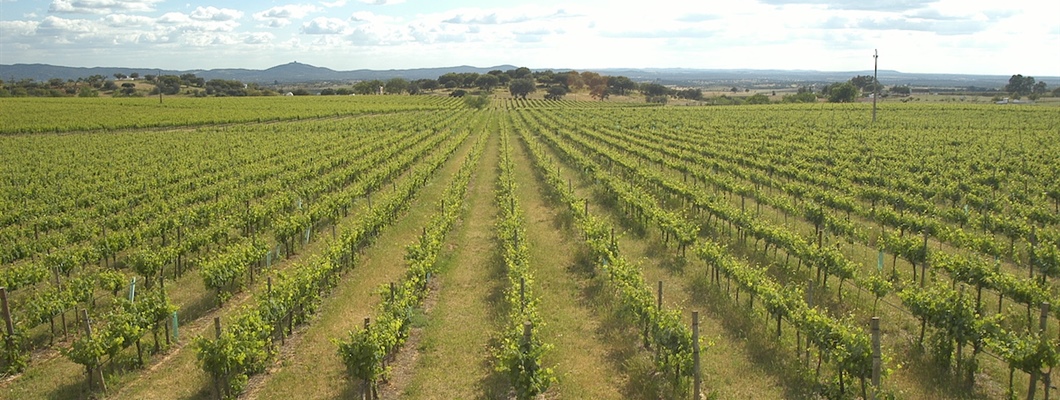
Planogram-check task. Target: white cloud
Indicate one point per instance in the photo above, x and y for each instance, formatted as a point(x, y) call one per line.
point(128, 21)
point(188, 23)
point(333, 4)
point(325, 26)
point(18, 28)
point(101, 6)
point(215, 14)
point(259, 38)
point(281, 16)
point(382, 2)
point(505, 16)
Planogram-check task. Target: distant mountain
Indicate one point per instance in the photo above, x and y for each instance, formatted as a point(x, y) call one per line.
point(293, 72)
point(296, 72)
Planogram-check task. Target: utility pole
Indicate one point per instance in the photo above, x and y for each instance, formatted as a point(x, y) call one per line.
point(875, 82)
point(158, 85)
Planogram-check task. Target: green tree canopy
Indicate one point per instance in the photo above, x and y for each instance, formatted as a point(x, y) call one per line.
point(487, 82)
point(844, 92)
point(620, 85)
point(1019, 84)
point(396, 86)
point(522, 87)
point(654, 89)
point(556, 92)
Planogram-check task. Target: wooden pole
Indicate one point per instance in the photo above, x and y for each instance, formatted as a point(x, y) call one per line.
point(217, 379)
point(697, 388)
point(877, 362)
point(97, 372)
point(9, 339)
point(1037, 369)
point(658, 299)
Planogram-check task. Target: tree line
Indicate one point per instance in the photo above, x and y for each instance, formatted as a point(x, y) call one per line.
point(519, 82)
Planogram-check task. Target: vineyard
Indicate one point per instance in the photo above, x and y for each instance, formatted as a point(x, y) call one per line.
point(413, 247)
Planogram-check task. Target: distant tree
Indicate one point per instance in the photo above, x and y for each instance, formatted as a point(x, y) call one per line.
point(800, 97)
point(396, 86)
point(300, 92)
point(654, 89)
point(1021, 85)
point(414, 88)
point(902, 90)
point(468, 79)
point(691, 94)
point(556, 93)
point(134, 75)
point(545, 77)
point(757, 98)
point(458, 93)
point(487, 82)
point(734, 89)
point(844, 92)
point(476, 102)
point(450, 80)
point(149, 77)
point(343, 91)
point(367, 87)
point(1056, 92)
point(1039, 89)
point(521, 72)
point(522, 87)
point(597, 84)
point(128, 89)
point(620, 85)
point(119, 76)
point(865, 83)
point(428, 84)
point(87, 92)
point(328, 92)
point(110, 85)
point(225, 87)
point(574, 81)
point(96, 81)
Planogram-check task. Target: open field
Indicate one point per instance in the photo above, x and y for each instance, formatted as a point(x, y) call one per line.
point(332, 247)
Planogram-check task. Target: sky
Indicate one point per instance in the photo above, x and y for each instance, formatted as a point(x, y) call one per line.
point(926, 36)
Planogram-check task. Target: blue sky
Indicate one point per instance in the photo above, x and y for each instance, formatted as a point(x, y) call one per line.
point(945, 36)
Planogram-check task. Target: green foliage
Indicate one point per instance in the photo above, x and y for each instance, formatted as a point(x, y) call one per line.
point(555, 93)
point(1022, 85)
point(477, 102)
point(844, 92)
point(363, 351)
point(521, 87)
point(240, 351)
point(757, 98)
point(521, 350)
point(803, 96)
point(396, 86)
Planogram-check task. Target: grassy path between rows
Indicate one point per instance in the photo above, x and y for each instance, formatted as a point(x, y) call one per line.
point(454, 355)
point(589, 352)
